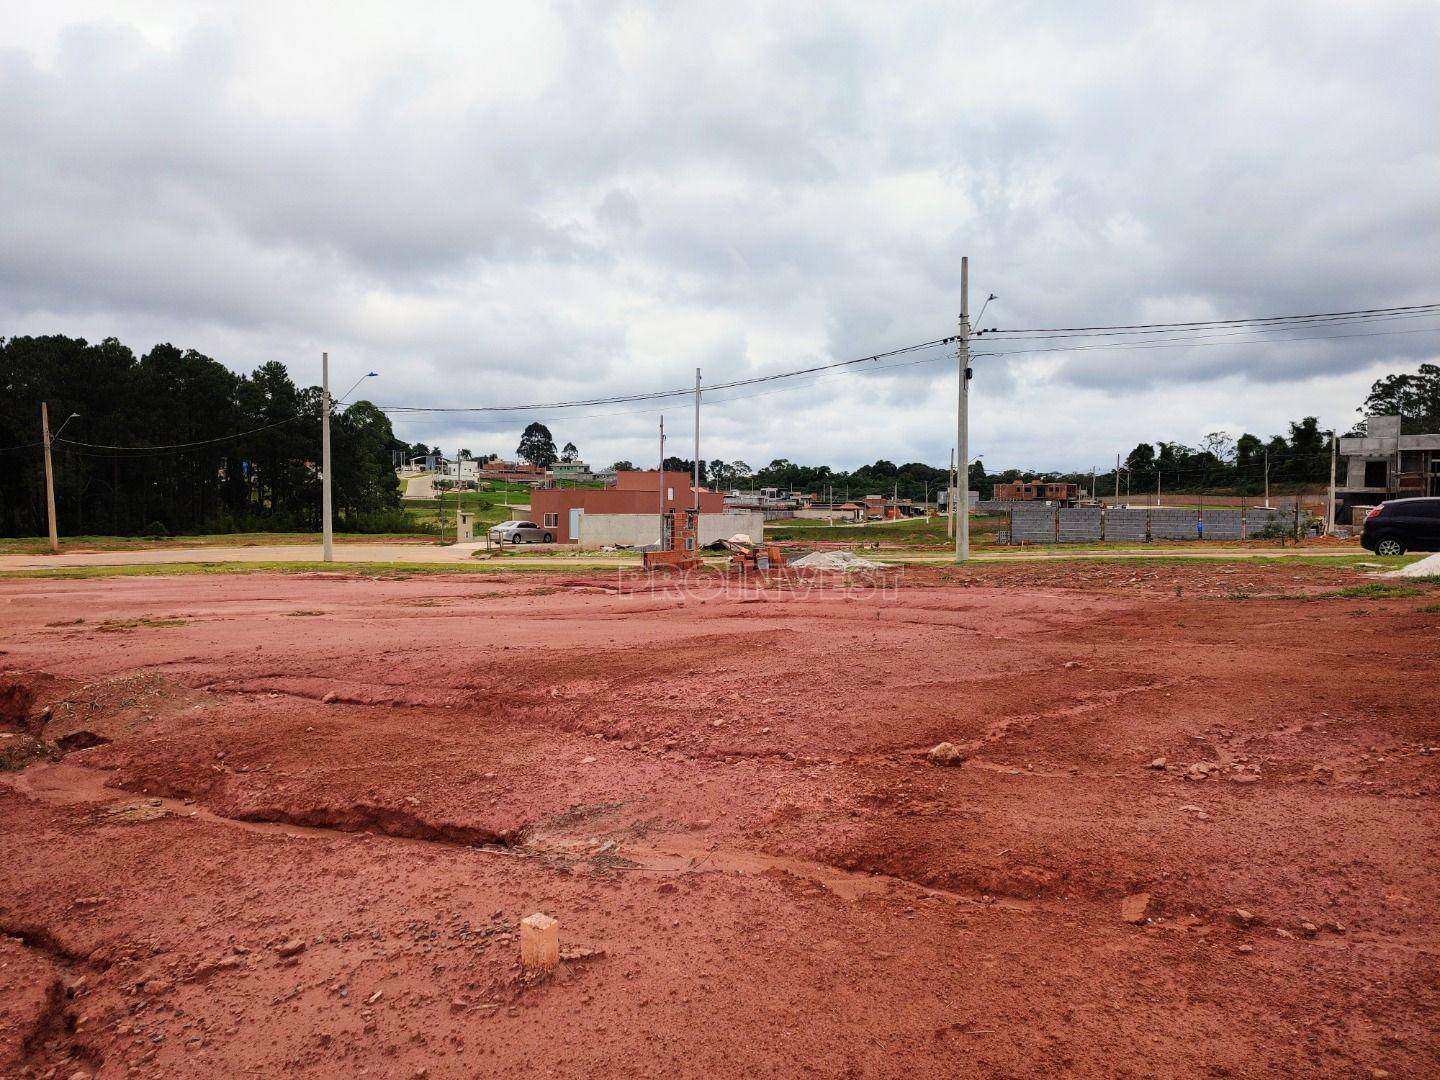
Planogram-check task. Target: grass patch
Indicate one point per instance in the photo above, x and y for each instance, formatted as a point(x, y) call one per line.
point(352, 569)
point(1374, 590)
point(39, 545)
point(1377, 590)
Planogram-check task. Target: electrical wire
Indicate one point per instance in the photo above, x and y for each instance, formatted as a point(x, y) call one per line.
point(658, 395)
point(179, 446)
point(1204, 323)
point(1178, 333)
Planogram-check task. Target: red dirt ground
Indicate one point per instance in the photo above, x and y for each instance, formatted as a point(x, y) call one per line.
point(726, 801)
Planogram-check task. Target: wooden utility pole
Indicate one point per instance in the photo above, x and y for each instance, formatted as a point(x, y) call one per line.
point(49, 479)
point(962, 421)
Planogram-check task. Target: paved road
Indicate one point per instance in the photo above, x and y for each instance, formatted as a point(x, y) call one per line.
point(464, 553)
point(419, 487)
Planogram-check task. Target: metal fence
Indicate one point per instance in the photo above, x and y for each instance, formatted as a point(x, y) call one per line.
point(1032, 524)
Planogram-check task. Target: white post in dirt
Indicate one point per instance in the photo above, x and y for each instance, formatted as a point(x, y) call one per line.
point(49, 479)
point(962, 422)
point(327, 537)
point(539, 945)
point(1330, 512)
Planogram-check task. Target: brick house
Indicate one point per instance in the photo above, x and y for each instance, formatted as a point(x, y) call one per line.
point(558, 509)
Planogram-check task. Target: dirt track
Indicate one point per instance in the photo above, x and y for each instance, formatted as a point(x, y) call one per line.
point(726, 803)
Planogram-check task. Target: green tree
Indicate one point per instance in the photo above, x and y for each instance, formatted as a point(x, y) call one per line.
point(537, 445)
point(569, 453)
point(1411, 396)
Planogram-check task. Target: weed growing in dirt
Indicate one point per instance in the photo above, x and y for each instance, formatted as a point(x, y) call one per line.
point(20, 751)
point(120, 626)
point(1377, 590)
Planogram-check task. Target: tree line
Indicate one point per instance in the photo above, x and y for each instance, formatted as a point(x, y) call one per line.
point(174, 442)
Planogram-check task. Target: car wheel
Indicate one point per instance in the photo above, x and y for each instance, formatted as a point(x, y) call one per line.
point(515, 539)
point(547, 539)
point(1390, 547)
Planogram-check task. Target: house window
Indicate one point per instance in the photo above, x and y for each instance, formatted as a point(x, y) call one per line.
point(1376, 474)
point(552, 521)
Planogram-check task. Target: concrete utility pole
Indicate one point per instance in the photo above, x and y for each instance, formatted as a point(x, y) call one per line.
point(697, 446)
point(962, 422)
point(660, 543)
point(327, 536)
point(1157, 485)
point(49, 479)
point(1330, 515)
point(1267, 476)
point(1117, 477)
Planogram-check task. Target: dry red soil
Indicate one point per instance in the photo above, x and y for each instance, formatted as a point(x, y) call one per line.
point(287, 826)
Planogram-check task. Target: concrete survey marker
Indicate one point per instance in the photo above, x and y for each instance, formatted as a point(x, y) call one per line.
point(539, 944)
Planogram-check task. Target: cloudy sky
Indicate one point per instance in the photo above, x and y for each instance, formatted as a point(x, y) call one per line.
point(519, 203)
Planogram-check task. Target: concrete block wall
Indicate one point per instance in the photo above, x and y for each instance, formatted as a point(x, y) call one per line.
point(1084, 524)
point(1222, 524)
point(1080, 524)
point(1173, 523)
point(1032, 524)
point(1123, 524)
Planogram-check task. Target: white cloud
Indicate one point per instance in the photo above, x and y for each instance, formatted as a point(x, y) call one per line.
point(504, 203)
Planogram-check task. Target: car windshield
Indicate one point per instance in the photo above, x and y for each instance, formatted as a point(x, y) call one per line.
point(526, 525)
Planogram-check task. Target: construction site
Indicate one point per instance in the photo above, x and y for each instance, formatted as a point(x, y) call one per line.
point(525, 552)
point(1076, 818)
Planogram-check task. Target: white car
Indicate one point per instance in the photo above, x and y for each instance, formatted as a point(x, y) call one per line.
point(520, 532)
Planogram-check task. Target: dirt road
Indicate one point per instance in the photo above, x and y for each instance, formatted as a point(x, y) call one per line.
point(294, 822)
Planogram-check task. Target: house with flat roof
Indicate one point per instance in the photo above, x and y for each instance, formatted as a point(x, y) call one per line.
point(1396, 458)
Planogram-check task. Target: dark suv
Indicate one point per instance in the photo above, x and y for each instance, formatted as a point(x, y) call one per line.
point(1402, 525)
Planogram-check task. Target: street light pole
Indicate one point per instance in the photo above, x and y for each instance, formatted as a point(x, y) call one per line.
point(962, 422)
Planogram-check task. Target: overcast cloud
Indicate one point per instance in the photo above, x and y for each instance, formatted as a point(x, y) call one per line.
point(492, 204)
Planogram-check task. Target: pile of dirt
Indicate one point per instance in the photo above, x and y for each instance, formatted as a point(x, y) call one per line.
point(844, 561)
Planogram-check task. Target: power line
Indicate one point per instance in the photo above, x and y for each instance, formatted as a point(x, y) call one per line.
point(1023, 335)
point(141, 450)
point(1219, 322)
point(662, 394)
